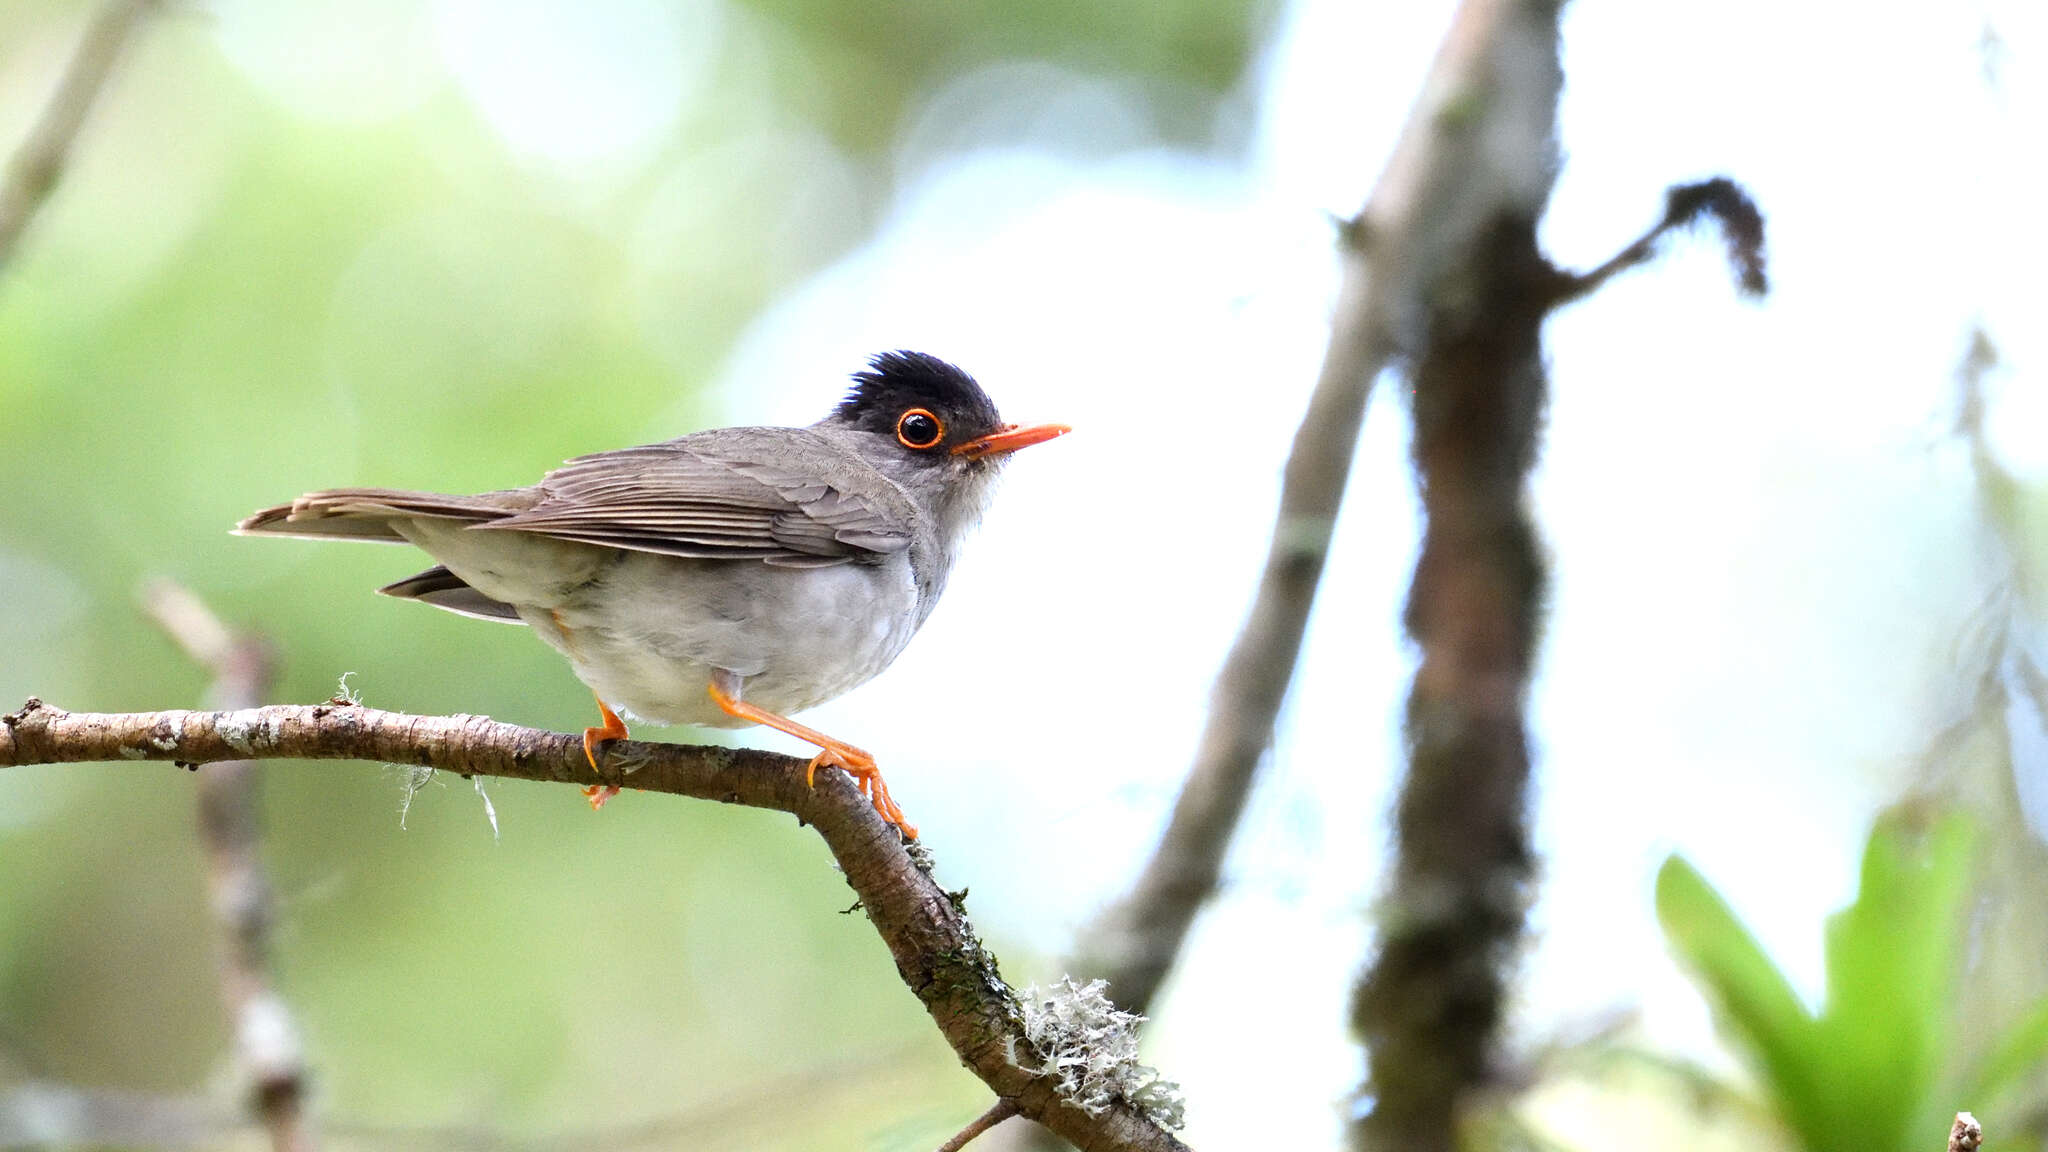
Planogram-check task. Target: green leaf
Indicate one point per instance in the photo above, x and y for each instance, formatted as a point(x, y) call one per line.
point(1892, 961)
point(1858, 1076)
point(1754, 1000)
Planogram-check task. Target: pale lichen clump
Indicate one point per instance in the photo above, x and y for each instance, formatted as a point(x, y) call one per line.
point(1080, 1037)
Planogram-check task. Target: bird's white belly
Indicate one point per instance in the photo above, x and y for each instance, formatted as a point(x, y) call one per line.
point(647, 635)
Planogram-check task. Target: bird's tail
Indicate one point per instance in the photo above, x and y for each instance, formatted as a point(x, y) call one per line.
point(369, 513)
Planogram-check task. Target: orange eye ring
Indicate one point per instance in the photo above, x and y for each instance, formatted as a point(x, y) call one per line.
point(919, 430)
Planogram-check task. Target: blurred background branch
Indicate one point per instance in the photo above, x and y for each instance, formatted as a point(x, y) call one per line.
point(1471, 307)
point(268, 1051)
point(38, 163)
point(36, 1114)
point(1430, 1003)
point(1133, 944)
point(1442, 199)
point(1390, 254)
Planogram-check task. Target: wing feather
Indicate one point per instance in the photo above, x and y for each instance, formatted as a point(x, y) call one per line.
point(737, 493)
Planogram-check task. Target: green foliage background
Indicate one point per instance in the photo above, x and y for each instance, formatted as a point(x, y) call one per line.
point(228, 302)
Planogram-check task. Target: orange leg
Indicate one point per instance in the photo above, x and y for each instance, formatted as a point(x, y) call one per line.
point(832, 753)
point(614, 729)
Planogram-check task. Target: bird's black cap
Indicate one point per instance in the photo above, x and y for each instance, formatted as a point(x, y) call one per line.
point(895, 382)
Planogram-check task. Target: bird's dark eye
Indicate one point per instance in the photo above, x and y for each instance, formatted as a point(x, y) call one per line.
point(919, 429)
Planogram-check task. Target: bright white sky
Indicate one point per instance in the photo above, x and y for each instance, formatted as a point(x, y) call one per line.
point(1762, 542)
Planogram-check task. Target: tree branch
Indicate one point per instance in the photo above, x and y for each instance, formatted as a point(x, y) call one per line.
point(1444, 181)
point(1469, 303)
point(1471, 314)
point(38, 163)
point(1719, 199)
point(1477, 152)
point(266, 1040)
point(1416, 217)
point(935, 949)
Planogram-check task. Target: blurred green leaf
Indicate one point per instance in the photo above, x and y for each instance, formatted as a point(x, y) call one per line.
point(1753, 997)
point(1861, 1076)
point(1892, 961)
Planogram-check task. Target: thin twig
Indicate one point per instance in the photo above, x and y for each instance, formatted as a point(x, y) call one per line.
point(39, 161)
point(1719, 199)
point(266, 1040)
point(997, 1112)
point(935, 948)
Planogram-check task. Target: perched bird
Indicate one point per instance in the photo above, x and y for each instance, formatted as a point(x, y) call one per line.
point(726, 578)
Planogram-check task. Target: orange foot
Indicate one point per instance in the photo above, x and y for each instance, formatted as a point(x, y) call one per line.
point(861, 766)
point(614, 729)
point(831, 753)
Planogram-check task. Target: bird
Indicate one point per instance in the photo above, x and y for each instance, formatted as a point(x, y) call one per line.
point(725, 578)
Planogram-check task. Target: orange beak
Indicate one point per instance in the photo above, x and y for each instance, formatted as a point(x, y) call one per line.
point(1009, 438)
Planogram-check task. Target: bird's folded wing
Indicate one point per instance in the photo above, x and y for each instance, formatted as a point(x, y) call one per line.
point(787, 496)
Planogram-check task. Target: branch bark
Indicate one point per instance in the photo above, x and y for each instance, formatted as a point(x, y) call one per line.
point(935, 948)
point(1468, 303)
point(38, 163)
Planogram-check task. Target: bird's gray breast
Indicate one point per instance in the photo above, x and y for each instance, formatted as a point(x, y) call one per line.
point(648, 632)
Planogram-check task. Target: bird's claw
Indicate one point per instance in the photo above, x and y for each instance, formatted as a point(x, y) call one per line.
point(866, 776)
point(594, 739)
